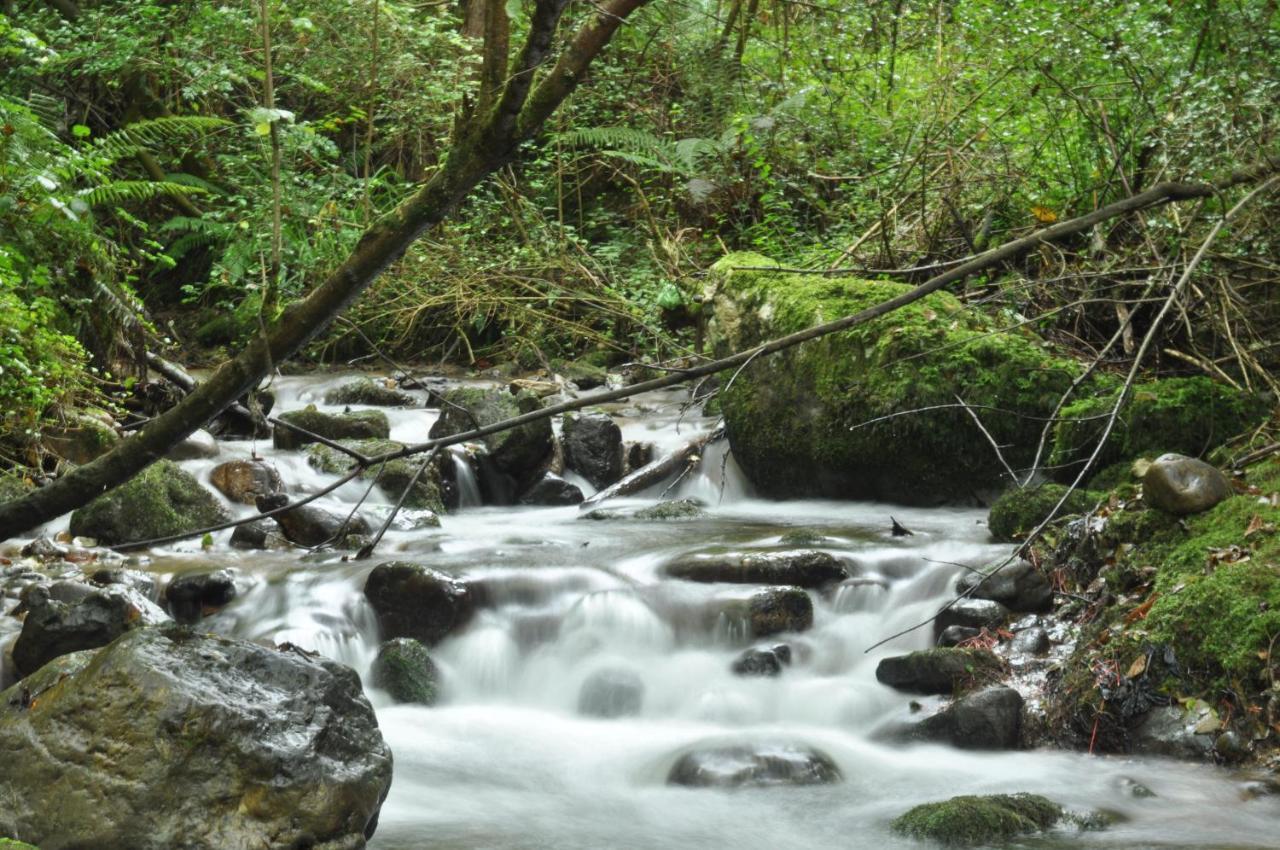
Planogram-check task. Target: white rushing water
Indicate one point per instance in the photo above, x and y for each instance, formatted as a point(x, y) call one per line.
point(506, 761)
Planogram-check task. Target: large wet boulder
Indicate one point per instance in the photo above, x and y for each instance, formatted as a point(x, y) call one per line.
point(394, 476)
point(611, 693)
point(1019, 511)
point(805, 568)
point(517, 454)
point(68, 617)
point(244, 481)
point(973, 614)
point(1019, 586)
point(404, 669)
point(1182, 485)
point(988, 719)
point(942, 670)
point(161, 500)
point(311, 525)
point(755, 765)
point(191, 596)
point(411, 600)
point(1184, 415)
point(970, 821)
point(366, 392)
point(353, 425)
point(818, 419)
point(767, 612)
point(169, 739)
point(593, 447)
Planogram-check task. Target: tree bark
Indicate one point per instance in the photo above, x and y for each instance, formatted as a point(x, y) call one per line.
point(484, 144)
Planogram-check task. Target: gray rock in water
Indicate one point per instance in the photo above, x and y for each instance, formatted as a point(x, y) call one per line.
point(778, 610)
point(311, 525)
point(593, 447)
point(1032, 641)
point(160, 501)
point(413, 601)
point(956, 635)
point(518, 453)
point(1183, 485)
point(611, 693)
point(355, 425)
point(404, 669)
point(672, 509)
point(762, 662)
point(244, 481)
point(1019, 586)
point(803, 568)
point(974, 613)
point(192, 596)
point(259, 534)
point(1171, 731)
point(199, 445)
point(937, 671)
point(192, 741)
point(989, 719)
point(143, 583)
point(552, 490)
point(754, 765)
point(368, 392)
point(69, 617)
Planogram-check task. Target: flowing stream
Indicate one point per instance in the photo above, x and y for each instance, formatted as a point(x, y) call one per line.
point(506, 761)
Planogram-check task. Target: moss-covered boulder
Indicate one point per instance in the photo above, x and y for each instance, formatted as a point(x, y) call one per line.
point(161, 500)
point(1189, 416)
point(393, 477)
point(404, 669)
point(353, 425)
point(942, 670)
point(368, 392)
point(14, 485)
point(821, 419)
point(967, 821)
point(80, 438)
point(1017, 512)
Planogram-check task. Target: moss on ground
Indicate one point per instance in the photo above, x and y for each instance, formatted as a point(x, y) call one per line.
point(970, 820)
point(798, 419)
point(1185, 415)
point(1020, 511)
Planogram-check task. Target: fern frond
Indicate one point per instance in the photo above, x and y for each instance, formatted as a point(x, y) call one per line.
point(134, 191)
point(154, 132)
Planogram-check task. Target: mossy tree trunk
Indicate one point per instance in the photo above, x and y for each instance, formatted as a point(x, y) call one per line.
point(488, 138)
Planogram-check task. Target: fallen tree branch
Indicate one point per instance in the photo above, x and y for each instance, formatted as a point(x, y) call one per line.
point(654, 472)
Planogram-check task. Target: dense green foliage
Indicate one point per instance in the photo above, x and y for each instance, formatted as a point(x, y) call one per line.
point(136, 178)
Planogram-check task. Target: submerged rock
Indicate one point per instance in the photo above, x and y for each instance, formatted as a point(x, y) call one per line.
point(672, 509)
point(762, 662)
point(1019, 586)
point(355, 425)
point(611, 693)
point(161, 500)
point(979, 820)
point(937, 671)
point(777, 610)
point(411, 600)
point(754, 766)
point(68, 617)
point(192, 741)
point(1183, 485)
point(593, 447)
point(804, 568)
point(404, 669)
point(368, 392)
point(244, 481)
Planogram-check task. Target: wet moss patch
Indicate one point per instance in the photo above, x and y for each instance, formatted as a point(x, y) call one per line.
point(970, 820)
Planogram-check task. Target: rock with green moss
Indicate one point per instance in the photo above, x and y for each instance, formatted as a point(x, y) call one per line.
point(169, 738)
point(161, 500)
point(1184, 415)
point(14, 485)
point(942, 670)
point(821, 419)
point(393, 477)
point(673, 509)
point(370, 393)
point(970, 820)
point(520, 454)
point(404, 670)
point(353, 425)
point(1019, 511)
point(82, 437)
